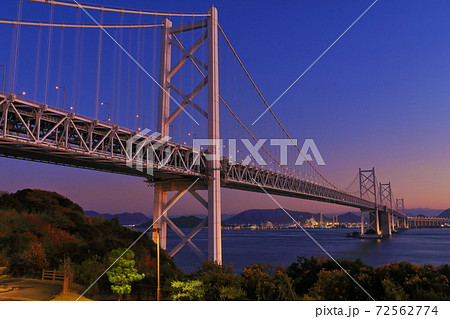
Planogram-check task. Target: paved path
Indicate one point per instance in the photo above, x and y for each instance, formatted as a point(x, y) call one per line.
point(29, 289)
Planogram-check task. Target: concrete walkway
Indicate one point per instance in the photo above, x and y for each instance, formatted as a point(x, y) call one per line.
point(29, 289)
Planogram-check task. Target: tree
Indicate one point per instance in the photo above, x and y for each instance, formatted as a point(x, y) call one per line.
point(219, 282)
point(123, 273)
point(189, 290)
point(34, 259)
point(89, 271)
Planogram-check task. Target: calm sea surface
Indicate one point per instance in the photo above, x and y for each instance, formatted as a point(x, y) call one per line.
point(282, 246)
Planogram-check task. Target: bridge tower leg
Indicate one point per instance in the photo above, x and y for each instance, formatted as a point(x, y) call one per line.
point(160, 195)
point(368, 188)
point(214, 194)
point(386, 216)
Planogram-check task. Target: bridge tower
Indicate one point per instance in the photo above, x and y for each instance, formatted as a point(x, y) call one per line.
point(166, 116)
point(386, 216)
point(368, 188)
point(400, 206)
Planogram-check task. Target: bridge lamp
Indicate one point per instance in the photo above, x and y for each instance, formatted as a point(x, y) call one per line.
point(109, 110)
point(63, 87)
point(23, 93)
point(143, 120)
point(193, 136)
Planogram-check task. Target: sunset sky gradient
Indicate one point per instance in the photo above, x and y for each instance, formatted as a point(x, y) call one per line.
point(380, 97)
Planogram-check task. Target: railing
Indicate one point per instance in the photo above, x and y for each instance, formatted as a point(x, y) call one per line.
point(65, 277)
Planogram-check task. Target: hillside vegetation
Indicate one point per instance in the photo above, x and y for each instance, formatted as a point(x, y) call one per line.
point(41, 229)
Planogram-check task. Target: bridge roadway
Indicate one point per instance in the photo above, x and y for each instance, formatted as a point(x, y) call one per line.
point(37, 132)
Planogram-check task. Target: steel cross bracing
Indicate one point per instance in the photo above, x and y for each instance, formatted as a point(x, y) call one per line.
point(400, 205)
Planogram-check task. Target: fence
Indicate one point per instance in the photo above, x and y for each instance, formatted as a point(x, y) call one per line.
point(65, 277)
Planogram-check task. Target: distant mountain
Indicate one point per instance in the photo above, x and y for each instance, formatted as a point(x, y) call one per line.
point(180, 222)
point(423, 211)
point(349, 218)
point(445, 214)
point(124, 218)
point(275, 216)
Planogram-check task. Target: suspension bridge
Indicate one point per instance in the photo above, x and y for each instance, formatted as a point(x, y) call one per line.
point(124, 116)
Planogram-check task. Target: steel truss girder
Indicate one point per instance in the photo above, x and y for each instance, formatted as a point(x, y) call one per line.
point(51, 135)
point(27, 124)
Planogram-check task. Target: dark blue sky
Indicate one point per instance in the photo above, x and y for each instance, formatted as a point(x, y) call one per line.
point(380, 97)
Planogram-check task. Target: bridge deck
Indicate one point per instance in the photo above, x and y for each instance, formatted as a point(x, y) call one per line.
point(36, 132)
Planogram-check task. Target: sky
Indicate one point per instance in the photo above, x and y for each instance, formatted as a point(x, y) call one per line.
point(378, 98)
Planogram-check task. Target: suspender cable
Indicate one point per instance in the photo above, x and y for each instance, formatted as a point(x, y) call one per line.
point(137, 107)
point(15, 49)
point(60, 63)
point(154, 99)
point(49, 48)
point(128, 86)
point(99, 67)
point(114, 79)
point(119, 76)
point(38, 58)
point(76, 53)
point(143, 123)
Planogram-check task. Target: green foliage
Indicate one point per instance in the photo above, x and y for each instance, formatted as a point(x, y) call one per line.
point(89, 271)
point(416, 282)
point(331, 285)
point(189, 290)
point(232, 293)
point(393, 291)
point(264, 282)
point(3, 274)
point(216, 278)
point(123, 273)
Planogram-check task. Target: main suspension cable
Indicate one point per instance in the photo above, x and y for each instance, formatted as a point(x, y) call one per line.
point(271, 111)
point(118, 10)
point(83, 26)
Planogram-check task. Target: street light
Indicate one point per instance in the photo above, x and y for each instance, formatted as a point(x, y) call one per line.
point(64, 95)
point(193, 137)
point(158, 290)
point(109, 110)
point(143, 120)
point(3, 81)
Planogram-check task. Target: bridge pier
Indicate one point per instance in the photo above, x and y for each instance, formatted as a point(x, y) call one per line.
point(403, 222)
point(385, 223)
point(373, 226)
